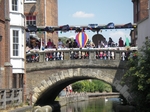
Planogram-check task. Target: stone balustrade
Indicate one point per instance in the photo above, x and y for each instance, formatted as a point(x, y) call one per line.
point(36, 55)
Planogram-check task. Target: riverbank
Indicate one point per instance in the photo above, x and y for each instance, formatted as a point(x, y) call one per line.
point(104, 94)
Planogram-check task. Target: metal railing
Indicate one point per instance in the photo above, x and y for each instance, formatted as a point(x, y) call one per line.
point(10, 97)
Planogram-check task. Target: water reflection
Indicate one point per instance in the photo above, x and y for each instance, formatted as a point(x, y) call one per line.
point(94, 105)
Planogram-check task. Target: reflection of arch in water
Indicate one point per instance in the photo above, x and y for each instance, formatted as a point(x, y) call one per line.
point(96, 38)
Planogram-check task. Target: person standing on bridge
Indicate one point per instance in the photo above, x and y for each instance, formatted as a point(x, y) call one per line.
point(121, 42)
point(110, 42)
point(49, 44)
point(59, 43)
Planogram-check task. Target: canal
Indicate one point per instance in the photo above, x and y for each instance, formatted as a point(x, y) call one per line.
point(92, 105)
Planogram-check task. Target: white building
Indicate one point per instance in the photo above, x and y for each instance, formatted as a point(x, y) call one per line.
point(17, 41)
point(143, 30)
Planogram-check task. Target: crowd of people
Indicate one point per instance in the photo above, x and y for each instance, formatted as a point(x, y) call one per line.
point(73, 44)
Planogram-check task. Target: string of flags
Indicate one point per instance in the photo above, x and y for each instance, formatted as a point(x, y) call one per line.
point(90, 27)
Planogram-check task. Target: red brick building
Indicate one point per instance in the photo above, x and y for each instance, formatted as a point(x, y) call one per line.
point(42, 13)
point(140, 13)
point(5, 66)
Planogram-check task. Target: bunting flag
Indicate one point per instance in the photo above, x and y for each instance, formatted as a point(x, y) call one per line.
point(91, 27)
point(128, 25)
point(49, 29)
point(32, 28)
point(39, 30)
point(110, 25)
point(65, 28)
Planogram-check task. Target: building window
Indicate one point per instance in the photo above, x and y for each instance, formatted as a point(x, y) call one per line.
point(15, 43)
point(30, 20)
point(15, 5)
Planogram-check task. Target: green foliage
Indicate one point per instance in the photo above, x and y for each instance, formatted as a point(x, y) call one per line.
point(64, 39)
point(91, 86)
point(89, 41)
point(139, 75)
point(79, 86)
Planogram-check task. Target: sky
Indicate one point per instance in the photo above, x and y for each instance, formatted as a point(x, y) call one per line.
point(84, 12)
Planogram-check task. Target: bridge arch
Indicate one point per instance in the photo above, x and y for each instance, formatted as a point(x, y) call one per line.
point(52, 86)
point(48, 89)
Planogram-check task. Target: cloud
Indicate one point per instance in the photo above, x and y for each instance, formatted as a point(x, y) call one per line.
point(117, 34)
point(72, 36)
point(81, 14)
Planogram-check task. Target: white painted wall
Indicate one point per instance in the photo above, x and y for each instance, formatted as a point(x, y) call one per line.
point(17, 23)
point(143, 30)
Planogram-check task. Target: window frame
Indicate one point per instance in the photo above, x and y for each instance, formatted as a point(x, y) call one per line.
point(15, 42)
point(14, 6)
point(31, 21)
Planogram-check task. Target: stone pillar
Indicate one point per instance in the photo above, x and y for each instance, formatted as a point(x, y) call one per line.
point(7, 64)
point(24, 88)
point(67, 55)
point(117, 55)
point(17, 81)
point(8, 75)
point(41, 56)
point(92, 54)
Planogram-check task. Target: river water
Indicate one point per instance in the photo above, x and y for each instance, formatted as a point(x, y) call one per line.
point(92, 105)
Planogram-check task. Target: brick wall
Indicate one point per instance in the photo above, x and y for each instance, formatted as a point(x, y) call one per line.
point(5, 66)
point(142, 13)
point(2, 33)
point(2, 10)
point(48, 18)
point(52, 18)
point(143, 9)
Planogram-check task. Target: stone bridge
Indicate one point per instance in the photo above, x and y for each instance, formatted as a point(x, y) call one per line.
point(45, 79)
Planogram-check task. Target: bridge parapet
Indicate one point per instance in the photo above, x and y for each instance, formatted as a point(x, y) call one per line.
point(35, 55)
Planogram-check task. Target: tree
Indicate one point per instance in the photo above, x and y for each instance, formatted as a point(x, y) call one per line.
point(91, 86)
point(64, 39)
point(139, 75)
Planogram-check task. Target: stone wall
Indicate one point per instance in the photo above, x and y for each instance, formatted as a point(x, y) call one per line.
point(46, 15)
point(49, 78)
point(5, 66)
